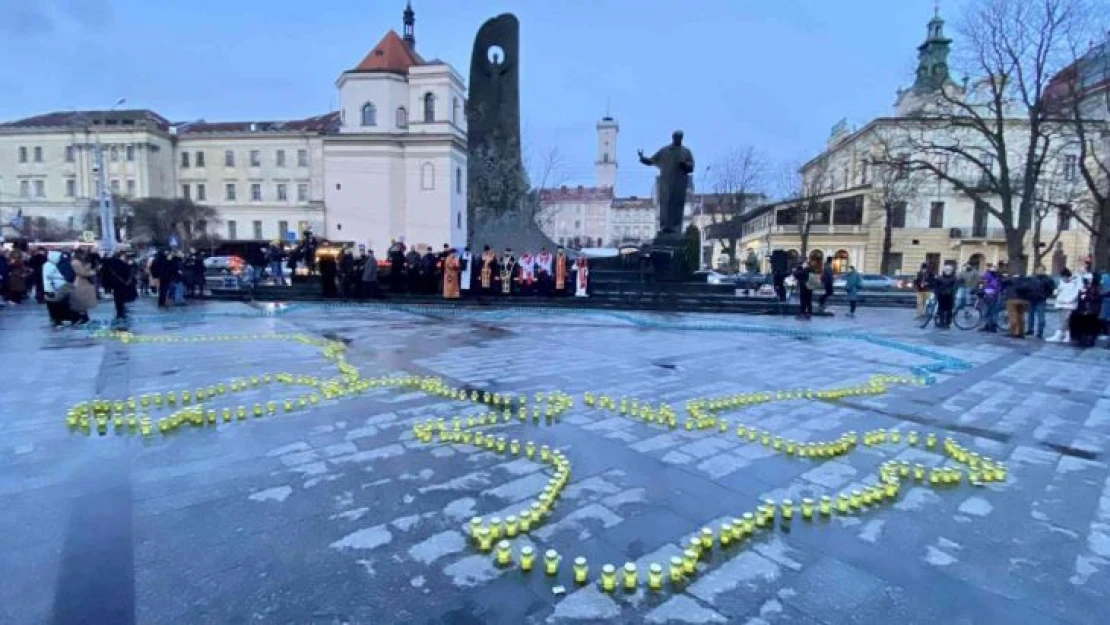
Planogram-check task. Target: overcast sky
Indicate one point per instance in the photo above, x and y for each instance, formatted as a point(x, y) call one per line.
point(773, 74)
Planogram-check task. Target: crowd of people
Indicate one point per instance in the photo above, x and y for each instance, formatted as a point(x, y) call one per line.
point(1082, 305)
point(68, 282)
point(452, 273)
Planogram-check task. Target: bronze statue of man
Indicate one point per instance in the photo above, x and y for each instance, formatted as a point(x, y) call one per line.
point(675, 163)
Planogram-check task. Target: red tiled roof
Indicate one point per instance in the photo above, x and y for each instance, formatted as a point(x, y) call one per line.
point(320, 123)
point(391, 54)
point(578, 194)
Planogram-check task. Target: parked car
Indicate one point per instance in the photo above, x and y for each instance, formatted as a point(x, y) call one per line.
point(868, 282)
point(751, 281)
point(712, 277)
point(223, 272)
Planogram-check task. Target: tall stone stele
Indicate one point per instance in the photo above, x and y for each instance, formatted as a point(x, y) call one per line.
point(500, 209)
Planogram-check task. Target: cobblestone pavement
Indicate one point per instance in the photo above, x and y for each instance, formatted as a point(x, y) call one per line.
point(337, 514)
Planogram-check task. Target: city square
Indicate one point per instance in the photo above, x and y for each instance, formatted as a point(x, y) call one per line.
point(757, 313)
point(341, 512)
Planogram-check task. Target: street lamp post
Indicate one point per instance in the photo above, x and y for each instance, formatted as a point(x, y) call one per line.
point(104, 196)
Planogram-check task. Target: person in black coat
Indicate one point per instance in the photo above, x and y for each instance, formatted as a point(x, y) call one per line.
point(397, 267)
point(160, 270)
point(329, 270)
point(38, 259)
point(826, 283)
point(944, 287)
point(120, 276)
point(805, 293)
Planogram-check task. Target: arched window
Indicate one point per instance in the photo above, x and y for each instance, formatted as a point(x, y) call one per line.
point(429, 107)
point(427, 176)
point(455, 111)
point(402, 117)
point(369, 115)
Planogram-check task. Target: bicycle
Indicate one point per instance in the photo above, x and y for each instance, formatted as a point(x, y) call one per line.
point(970, 316)
point(932, 312)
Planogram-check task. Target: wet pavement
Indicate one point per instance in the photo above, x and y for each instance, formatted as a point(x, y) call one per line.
point(337, 513)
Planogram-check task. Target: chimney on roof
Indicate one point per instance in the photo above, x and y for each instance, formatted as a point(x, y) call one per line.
point(409, 19)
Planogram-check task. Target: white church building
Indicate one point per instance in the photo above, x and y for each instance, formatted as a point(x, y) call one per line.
point(397, 165)
point(391, 163)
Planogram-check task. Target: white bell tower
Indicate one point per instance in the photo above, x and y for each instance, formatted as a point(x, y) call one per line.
point(605, 167)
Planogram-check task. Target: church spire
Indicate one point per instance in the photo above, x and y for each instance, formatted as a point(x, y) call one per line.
point(409, 18)
point(932, 56)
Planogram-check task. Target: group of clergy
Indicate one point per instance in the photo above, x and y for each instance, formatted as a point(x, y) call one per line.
point(490, 273)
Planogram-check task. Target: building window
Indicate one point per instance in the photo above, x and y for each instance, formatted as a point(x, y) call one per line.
point(863, 172)
point(848, 211)
point(40, 188)
point(279, 158)
point(38, 154)
point(256, 158)
point(302, 158)
point(185, 192)
point(402, 117)
point(115, 186)
point(202, 193)
point(427, 177)
point(200, 158)
point(131, 188)
point(283, 228)
point(429, 107)
point(229, 158)
point(458, 180)
point(458, 220)
point(936, 215)
point(24, 188)
point(282, 194)
point(1063, 218)
point(184, 160)
point(898, 215)
point(369, 115)
point(229, 193)
point(455, 111)
point(70, 153)
point(302, 192)
point(231, 229)
point(257, 227)
point(71, 187)
point(256, 192)
point(113, 154)
point(1071, 166)
point(22, 154)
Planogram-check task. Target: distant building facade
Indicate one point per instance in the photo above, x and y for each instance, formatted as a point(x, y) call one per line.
point(932, 222)
point(390, 163)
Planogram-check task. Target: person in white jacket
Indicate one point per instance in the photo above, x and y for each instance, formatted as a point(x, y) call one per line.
point(1067, 299)
point(56, 290)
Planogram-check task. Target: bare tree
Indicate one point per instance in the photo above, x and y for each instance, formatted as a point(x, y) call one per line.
point(991, 143)
point(738, 178)
point(806, 191)
point(1080, 97)
point(157, 220)
point(894, 187)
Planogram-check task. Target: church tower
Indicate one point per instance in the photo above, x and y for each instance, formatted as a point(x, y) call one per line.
point(605, 167)
point(409, 18)
point(932, 58)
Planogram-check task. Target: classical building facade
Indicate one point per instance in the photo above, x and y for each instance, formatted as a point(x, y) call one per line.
point(48, 177)
point(847, 198)
point(390, 163)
